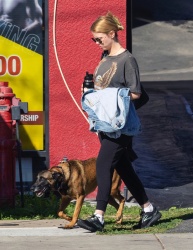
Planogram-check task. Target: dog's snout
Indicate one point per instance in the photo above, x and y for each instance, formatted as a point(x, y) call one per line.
point(34, 188)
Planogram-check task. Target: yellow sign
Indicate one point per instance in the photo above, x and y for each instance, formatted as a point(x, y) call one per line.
point(21, 64)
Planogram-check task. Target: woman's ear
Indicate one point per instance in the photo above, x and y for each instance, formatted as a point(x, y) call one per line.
point(112, 34)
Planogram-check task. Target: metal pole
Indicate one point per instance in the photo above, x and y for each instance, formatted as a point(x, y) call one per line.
point(19, 162)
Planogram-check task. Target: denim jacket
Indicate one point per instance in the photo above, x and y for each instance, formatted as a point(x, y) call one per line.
point(111, 111)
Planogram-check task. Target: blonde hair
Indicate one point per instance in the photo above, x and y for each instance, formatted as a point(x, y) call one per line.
point(107, 23)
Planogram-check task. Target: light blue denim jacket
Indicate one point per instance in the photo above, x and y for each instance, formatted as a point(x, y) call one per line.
point(111, 111)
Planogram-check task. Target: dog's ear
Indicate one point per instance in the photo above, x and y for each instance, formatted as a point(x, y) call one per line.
point(56, 175)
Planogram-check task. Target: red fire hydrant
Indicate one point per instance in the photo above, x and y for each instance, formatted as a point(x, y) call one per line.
point(7, 147)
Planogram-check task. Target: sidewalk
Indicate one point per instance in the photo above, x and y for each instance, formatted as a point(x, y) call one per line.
point(47, 234)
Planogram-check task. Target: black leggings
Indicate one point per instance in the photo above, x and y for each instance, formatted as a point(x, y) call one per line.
point(114, 154)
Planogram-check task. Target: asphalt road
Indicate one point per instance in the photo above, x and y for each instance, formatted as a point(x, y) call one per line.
point(162, 43)
point(162, 39)
point(166, 143)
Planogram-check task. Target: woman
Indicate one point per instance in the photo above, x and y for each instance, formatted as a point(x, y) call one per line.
point(117, 69)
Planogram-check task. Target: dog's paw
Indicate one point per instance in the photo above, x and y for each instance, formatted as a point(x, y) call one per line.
point(64, 216)
point(69, 226)
point(119, 219)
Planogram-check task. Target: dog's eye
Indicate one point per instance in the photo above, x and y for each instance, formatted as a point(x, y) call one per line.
point(42, 178)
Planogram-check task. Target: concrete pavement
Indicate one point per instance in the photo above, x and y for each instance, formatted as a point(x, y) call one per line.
point(95, 242)
point(47, 234)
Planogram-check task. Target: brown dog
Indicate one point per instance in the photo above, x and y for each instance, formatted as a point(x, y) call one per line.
point(74, 179)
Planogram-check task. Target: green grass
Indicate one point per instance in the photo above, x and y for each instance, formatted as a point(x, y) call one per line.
point(46, 208)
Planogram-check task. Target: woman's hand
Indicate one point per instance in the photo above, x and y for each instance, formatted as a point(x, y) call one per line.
point(135, 96)
point(83, 90)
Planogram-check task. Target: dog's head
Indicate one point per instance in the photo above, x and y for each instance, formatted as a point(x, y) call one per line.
point(47, 180)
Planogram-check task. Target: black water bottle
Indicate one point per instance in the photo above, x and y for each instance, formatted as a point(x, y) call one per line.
point(88, 81)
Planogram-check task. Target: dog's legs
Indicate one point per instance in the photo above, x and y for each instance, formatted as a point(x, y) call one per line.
point(64, 203)
point(78, 206)
point(119, 207)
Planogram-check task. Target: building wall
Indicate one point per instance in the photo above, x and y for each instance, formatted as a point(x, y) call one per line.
point(71, 54)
